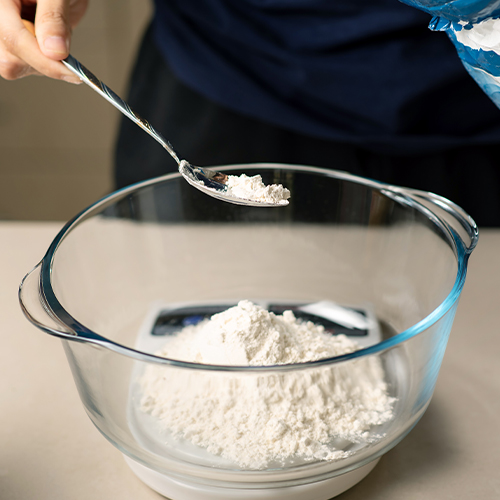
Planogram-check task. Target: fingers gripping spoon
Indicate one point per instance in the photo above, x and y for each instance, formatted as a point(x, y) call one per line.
point(209, 181)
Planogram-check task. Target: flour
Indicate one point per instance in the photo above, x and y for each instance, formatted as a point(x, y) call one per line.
point(258, 419)
point(484, 35)
point(252, 188)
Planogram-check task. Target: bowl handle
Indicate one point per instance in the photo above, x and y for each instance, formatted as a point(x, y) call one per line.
point(32, 305)
point(37, 311)
point(455, 217)
point(458, 221)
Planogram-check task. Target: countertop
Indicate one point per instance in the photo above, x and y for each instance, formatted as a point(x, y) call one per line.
point(49, 449)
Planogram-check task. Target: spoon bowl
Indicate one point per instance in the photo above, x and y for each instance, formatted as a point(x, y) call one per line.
point(213, 183)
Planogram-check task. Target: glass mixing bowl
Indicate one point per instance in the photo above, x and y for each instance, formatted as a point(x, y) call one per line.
point(140, 263)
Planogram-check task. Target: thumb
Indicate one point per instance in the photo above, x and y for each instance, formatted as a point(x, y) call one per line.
point(52, 28)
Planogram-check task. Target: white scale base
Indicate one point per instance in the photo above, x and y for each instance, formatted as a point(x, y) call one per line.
point(176, 489)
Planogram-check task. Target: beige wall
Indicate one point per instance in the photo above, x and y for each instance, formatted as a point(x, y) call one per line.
point(56, 139)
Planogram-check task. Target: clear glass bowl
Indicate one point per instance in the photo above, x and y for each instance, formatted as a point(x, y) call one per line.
point(161, 248)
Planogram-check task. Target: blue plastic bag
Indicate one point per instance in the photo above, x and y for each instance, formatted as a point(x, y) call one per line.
point(472, 27)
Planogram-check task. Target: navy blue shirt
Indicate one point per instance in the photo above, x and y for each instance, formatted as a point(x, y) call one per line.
point(367, 72)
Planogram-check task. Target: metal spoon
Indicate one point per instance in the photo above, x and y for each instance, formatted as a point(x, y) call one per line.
point(209, 181)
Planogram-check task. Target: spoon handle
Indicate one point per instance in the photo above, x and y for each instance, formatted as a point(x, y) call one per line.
point(92, 81)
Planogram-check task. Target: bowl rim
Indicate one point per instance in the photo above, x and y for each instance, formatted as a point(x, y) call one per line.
point(401, 195)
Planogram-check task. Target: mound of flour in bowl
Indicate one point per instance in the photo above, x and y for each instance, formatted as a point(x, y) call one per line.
point(256, 419)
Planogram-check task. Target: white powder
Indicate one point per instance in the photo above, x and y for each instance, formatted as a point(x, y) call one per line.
point(252, 188)
point(259, 418)
point(484, 35)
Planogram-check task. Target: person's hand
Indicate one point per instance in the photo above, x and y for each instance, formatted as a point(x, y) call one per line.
point(35, 35)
